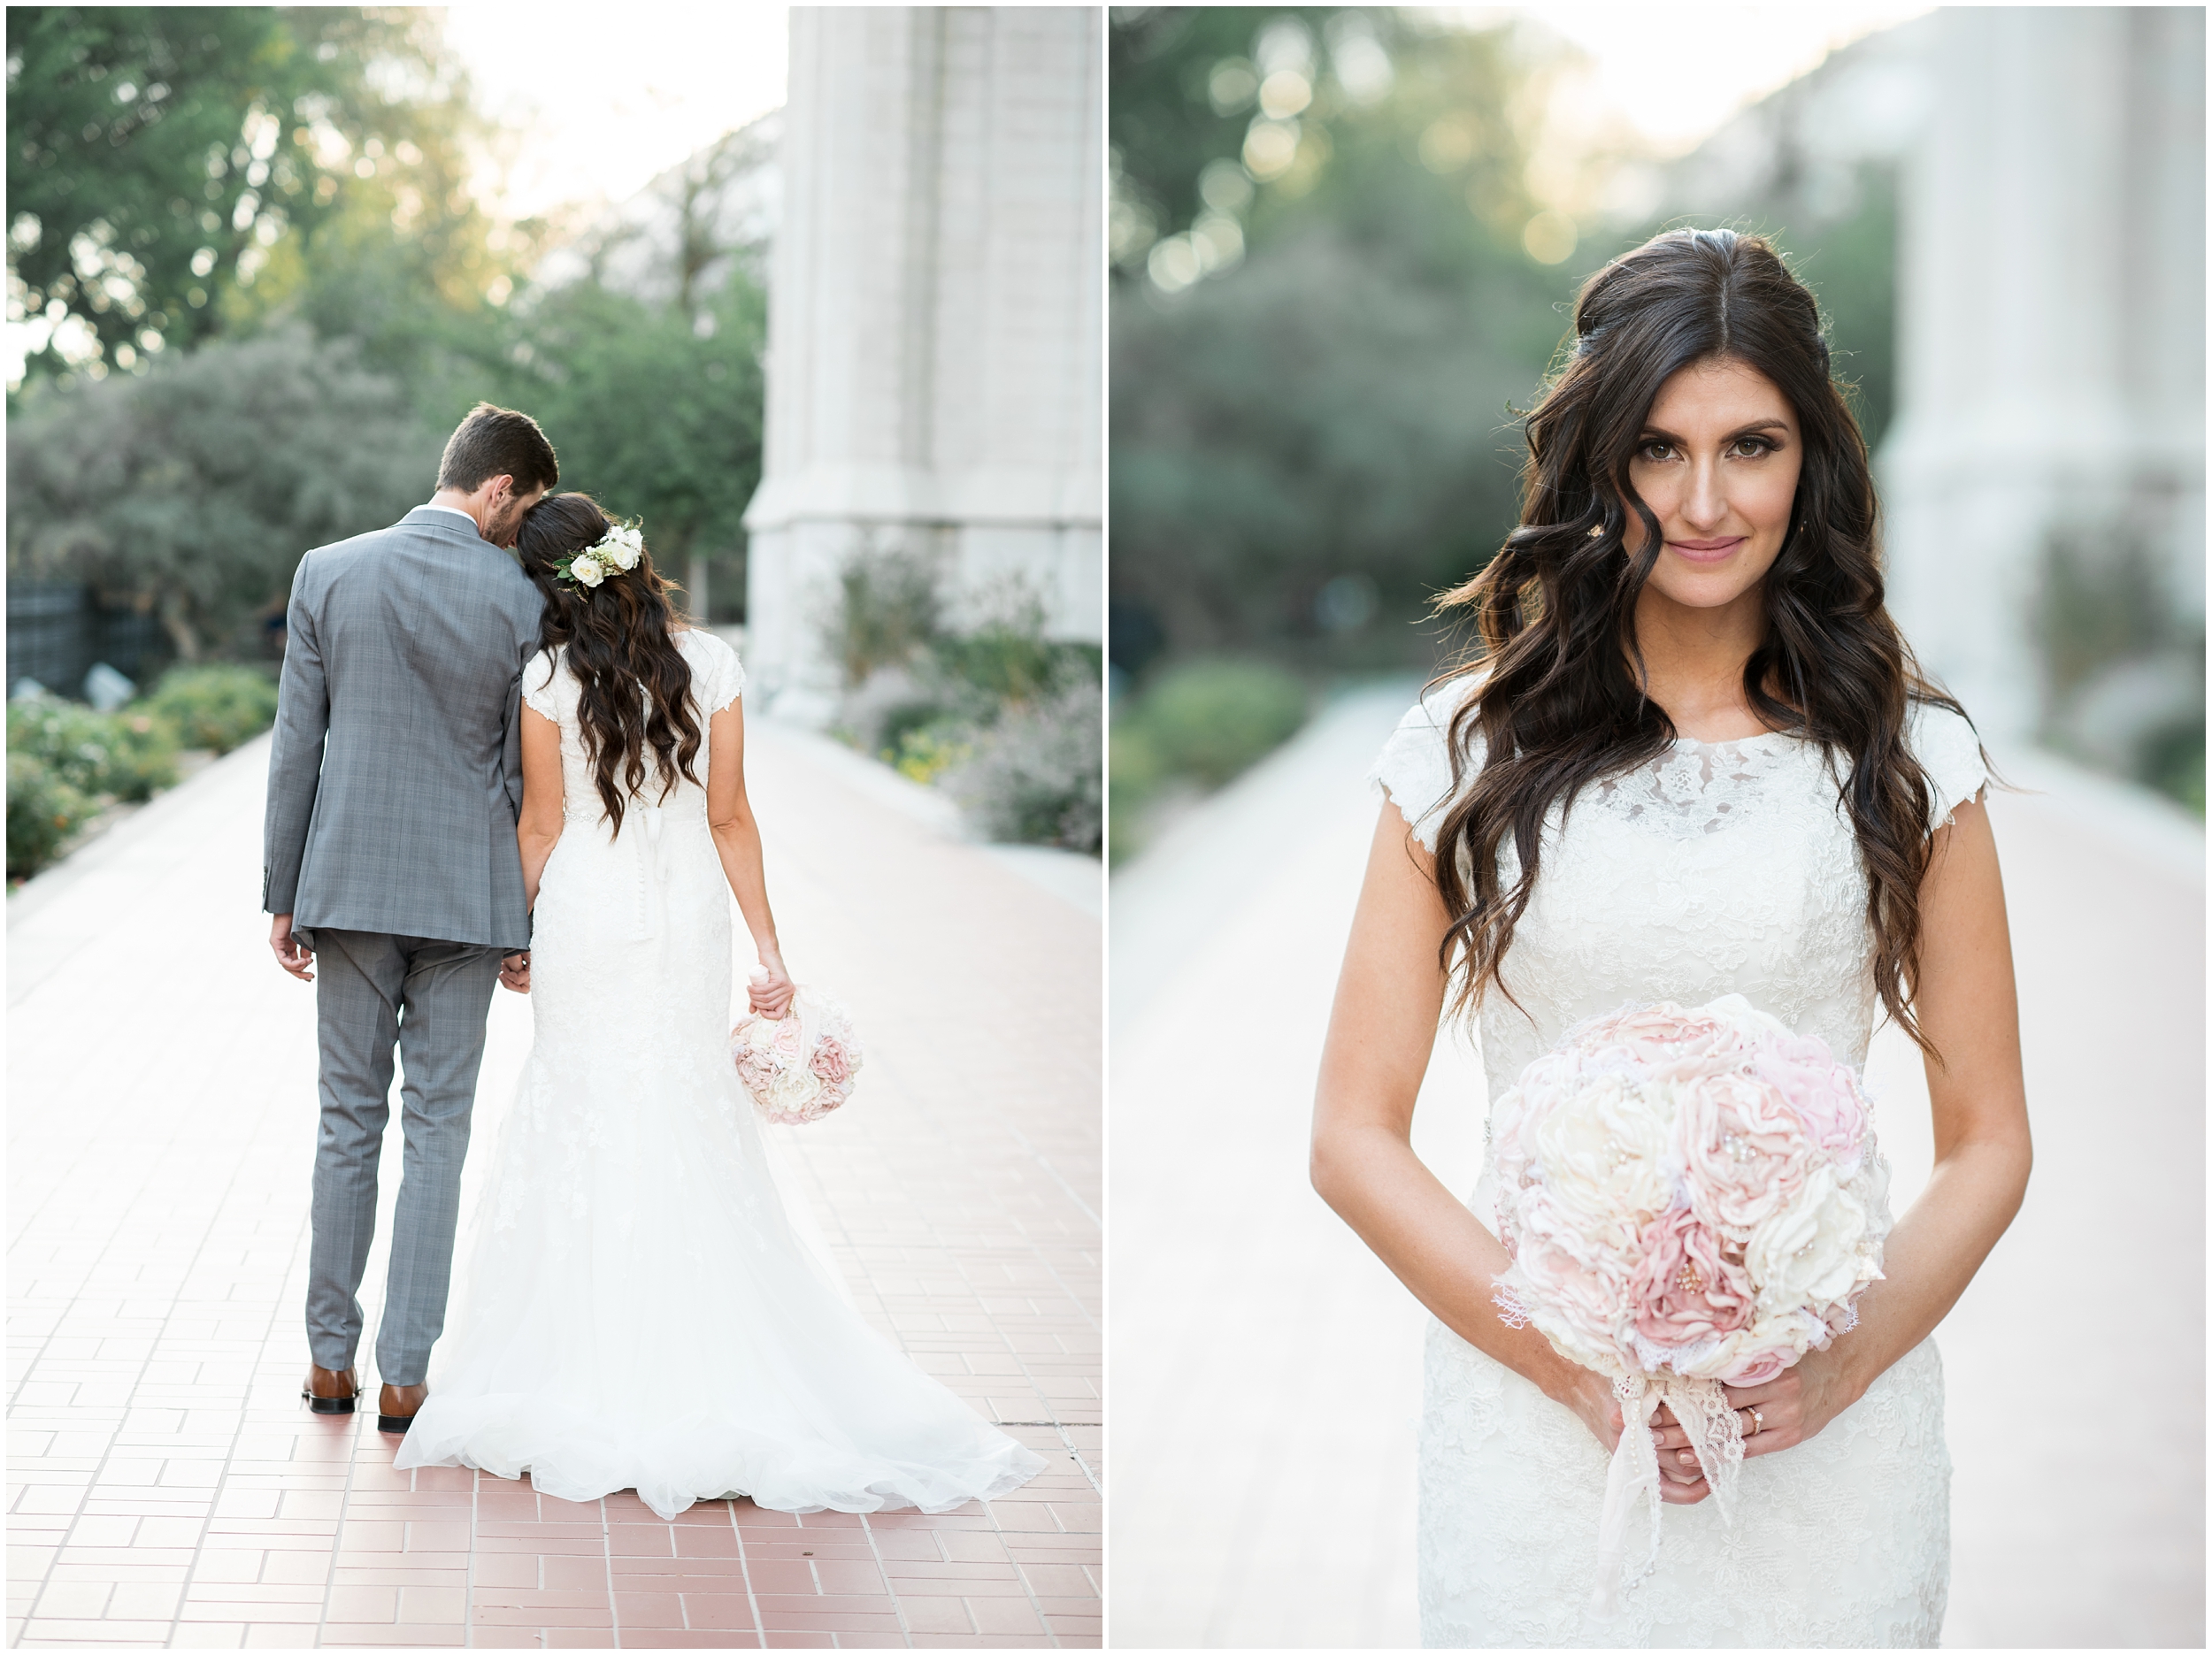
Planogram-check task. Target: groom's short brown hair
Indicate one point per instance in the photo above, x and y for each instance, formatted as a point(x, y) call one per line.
point(497, 442)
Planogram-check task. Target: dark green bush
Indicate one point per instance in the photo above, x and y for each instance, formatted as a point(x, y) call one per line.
point(1211, 720)
point(1011, 661)
point(131, 755)
point(1134, 776)
point(215, 707)
point(145, 757)
point(43, 811)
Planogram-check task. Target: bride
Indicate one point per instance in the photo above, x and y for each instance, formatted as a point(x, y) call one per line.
point(638, 1310)
point(1695, 759)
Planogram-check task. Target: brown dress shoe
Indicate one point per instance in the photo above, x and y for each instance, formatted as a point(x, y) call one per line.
point(328, 1391)
point(396, 1407)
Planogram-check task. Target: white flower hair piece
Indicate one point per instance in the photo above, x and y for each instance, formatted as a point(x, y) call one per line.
point(614, 553)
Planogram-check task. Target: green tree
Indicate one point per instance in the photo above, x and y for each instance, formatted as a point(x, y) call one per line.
point(169, 168)
point(1333, 403)
point(654, 410)
point(193, 489)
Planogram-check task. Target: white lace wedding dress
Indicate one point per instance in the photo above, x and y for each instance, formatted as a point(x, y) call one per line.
point(636, 1309)
point(1718, 869)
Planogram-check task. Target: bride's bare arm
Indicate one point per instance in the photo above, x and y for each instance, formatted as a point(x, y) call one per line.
point(737, 841)
point(1969, 1012)
point(537, 827)
point(1388, 997)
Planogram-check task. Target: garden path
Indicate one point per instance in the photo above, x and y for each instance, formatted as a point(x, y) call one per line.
point(166, 1488)
point(1262, 1356)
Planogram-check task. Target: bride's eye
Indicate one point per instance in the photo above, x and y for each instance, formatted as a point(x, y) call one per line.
point(1755, 448)
point(1654, 450)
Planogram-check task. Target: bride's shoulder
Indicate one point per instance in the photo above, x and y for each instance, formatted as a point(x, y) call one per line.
point(719, 677)
point(542, 678)
point(1427, 724)
point(1943, 741)
point(1414, 769)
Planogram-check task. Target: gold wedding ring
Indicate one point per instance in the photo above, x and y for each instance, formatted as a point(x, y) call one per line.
point(1758, 1421)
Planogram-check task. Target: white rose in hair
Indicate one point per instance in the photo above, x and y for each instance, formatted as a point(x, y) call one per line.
point(587, 570)
point(621, 552)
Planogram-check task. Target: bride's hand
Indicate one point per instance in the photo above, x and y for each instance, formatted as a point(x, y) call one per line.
point(1592, 1400)
point(1792, 1409)
point(771, 989)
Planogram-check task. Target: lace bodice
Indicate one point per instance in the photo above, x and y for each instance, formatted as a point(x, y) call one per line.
point(1717, 867)
point(552, 691)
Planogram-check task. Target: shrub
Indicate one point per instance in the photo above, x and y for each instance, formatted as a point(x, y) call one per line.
point(217, 707)
point(1133, 776)
point(1009, 659)
point(1211, 720)
point(145, 754)
point(892, 702)
point(1034, 776)
point(130, 755)
point(924, 753)
point(43, 811)
point(887, 613)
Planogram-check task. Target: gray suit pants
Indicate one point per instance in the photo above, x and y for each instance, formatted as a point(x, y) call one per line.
point(427, 998)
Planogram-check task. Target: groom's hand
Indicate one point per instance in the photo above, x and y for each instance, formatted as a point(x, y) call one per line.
point(294, 955)
point(514, 972)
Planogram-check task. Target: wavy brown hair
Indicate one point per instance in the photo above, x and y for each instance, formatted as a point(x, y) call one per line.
point(621, 640)
point(1562, 704)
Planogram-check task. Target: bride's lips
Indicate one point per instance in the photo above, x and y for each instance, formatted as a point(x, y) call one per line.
point(1706, 551)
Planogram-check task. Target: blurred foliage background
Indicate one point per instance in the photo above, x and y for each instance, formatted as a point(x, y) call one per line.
point(1346, 244)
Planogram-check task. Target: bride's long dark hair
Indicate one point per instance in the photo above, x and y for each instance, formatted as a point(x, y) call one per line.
point(620, 637)
point(1560, 705)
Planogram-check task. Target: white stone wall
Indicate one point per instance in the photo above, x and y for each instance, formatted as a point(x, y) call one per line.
point(934, 325)
point(2051, 329)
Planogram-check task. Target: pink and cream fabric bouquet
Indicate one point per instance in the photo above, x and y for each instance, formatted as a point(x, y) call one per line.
point(1691, 1198)
point(800, 1066)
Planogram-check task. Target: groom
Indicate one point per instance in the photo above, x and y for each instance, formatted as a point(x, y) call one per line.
point(389, 858)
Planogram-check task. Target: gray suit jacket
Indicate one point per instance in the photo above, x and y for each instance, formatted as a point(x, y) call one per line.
point(396, 772)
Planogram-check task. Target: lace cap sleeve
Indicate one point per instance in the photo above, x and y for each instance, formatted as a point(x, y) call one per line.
point(721, 676)
point(1414, 768)
point(538, 690)
point(1951, 753)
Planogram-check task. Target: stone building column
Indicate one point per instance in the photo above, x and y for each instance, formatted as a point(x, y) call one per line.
point(2051, 333)
point(935, 312)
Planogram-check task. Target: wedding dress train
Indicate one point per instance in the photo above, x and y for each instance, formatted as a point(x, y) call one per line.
point(636, 1308)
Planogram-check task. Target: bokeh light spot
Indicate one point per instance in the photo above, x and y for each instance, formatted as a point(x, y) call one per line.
point(1549, 238)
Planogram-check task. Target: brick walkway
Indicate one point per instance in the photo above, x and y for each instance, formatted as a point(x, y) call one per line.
point(166, 1487)
point(1262, 1355)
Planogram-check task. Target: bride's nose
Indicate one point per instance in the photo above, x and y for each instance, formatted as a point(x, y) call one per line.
point(1704, 503)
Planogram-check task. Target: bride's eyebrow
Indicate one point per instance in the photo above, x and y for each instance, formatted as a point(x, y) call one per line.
point(1780, 427)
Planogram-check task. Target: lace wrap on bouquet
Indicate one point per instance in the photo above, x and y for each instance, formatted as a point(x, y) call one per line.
point(1716, 868)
